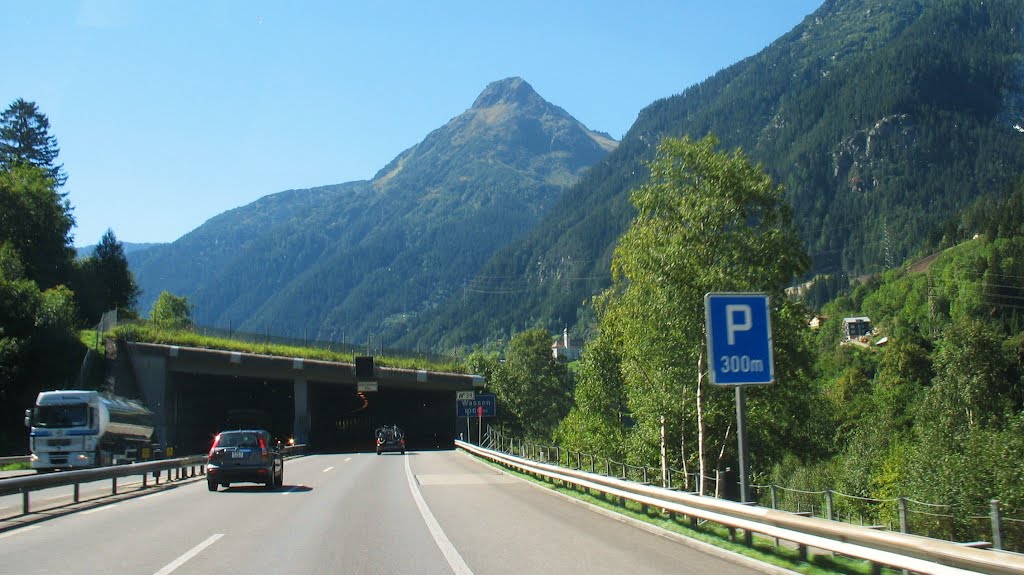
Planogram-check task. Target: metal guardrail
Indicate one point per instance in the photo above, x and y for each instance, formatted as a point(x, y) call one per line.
point(182, 467)
point(896, 550)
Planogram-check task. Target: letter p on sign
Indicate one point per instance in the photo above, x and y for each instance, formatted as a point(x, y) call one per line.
point(731, 325)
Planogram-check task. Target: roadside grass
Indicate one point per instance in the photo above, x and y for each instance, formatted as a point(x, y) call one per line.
point(90, 341)
point(15, 467)
point(763, 549)
point(151, 334)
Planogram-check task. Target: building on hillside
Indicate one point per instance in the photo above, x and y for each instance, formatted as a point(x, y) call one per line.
point(817, 321)
point(564, 349)
point(855, 328)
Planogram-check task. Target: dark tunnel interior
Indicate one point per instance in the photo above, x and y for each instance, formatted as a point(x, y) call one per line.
point(341, 418)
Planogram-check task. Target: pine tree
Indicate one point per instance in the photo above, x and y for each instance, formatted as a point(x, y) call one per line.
point(25, 139)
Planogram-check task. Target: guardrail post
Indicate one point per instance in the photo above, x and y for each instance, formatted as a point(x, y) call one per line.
point(829, 513)
point(902, 516)
point(579, 460)
point(775, 496)
point(113, 487)
point(76, 493)
point(608, 467)
point(624, 476)
point(24, 502)
point(645, 475)
point(145, 479)
point(997, 527)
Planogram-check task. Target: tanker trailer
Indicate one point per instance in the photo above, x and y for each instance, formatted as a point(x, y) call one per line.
point(75, 429)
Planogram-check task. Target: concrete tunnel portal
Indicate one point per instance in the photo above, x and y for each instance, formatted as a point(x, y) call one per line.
point(195, 393)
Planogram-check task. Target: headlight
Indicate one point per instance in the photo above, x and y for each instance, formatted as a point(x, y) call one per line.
point(83, 457)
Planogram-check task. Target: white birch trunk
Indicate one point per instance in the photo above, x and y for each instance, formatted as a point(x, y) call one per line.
point(700, 423)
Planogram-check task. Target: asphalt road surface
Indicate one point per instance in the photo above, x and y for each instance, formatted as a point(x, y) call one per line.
point(435, 512)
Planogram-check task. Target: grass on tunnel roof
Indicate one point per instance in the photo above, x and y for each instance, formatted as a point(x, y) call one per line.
point(146, 333)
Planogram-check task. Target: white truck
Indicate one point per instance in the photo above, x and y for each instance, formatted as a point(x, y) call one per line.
point(75, 429)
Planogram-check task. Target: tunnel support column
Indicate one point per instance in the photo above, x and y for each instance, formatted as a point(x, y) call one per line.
point(151, 377)
point(300, 430)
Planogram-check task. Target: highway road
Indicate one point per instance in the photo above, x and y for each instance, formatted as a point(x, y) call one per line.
point(431, 512)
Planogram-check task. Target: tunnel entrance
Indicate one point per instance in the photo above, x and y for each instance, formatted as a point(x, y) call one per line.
point(343, 419)
point(203, 405)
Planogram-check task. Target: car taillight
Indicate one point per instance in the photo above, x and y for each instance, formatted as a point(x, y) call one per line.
point(213, 447)
point(263, 448)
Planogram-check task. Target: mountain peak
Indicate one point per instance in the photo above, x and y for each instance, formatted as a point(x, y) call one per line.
point(513, 90)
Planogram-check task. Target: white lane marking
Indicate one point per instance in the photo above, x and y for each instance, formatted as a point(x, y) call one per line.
point(348, 459)
point(170, 567)
point(18, 530)
point(328, 469)
point(455, 560)
point(97, 509)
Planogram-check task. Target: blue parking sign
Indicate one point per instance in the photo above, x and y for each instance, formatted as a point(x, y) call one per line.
point(739, 339)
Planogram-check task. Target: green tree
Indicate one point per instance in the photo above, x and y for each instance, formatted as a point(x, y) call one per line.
point(171, 312)
point(974, 385)
point(533, 388)
point(595, 424)
point(36, 221)
point(39, 348)
point(25, 139)
point(103, 280)
point(707, 221)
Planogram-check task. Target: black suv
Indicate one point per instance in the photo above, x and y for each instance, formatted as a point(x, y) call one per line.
point(244, 455)
point(390, 438)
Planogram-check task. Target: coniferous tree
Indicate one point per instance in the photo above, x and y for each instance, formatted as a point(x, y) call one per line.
point(25, 139)
point(104, 282)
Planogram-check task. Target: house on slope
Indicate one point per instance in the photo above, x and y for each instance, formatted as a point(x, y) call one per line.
point(856, 328)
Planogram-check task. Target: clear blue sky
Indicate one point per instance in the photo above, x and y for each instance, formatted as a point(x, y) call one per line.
point(169, 113)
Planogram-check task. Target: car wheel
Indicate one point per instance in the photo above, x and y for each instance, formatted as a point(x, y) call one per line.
point(280, 478)
point(403, 452)
point(225, 485)
point(211, 485)
point(378, 452)
point(270, 485)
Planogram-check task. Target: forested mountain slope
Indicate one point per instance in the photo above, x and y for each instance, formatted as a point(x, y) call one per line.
point(361, 258)
point(883, 119)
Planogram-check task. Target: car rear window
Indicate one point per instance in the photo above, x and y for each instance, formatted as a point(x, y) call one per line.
point(238, 440)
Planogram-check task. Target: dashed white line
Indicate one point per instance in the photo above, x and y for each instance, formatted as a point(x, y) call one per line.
point(170, 567)
point(348, 459)
point(328, 469)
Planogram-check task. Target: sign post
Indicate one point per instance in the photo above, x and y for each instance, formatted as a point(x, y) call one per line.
point(479, 424)
point(480, 404)
point(739, 340)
